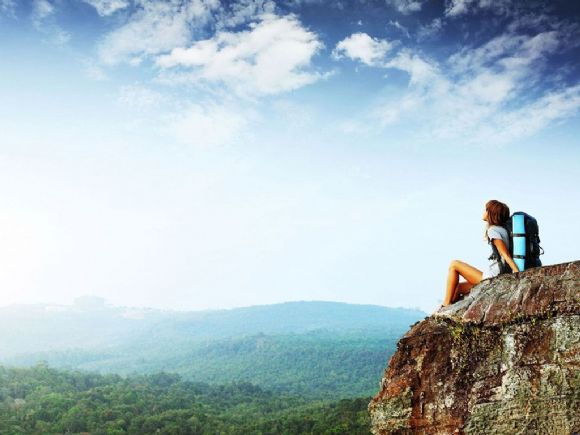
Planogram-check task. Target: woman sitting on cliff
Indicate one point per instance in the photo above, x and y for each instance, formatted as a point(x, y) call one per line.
point(496, 215)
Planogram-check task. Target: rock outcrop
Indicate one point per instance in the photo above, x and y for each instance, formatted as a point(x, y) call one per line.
point(504, 360)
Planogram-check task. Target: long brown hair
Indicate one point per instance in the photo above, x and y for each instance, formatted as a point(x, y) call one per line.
point(497, 214)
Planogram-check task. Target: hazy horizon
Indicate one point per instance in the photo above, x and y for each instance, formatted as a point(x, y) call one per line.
point(94, 301)
point(198, 154)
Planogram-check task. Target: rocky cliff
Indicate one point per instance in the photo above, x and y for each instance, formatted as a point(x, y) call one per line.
point(504, 360)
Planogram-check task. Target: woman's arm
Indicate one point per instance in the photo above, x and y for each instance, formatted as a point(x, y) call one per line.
point(502, 248)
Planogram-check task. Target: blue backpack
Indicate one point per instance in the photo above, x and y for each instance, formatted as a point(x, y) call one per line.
point(524, 235)
point(525, 246)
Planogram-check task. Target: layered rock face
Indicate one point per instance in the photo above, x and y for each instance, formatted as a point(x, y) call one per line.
point(504, 360)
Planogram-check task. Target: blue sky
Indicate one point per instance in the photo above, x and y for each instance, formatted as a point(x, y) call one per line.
point(194, 154)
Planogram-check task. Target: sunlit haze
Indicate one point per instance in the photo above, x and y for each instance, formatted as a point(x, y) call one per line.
point(194, 154)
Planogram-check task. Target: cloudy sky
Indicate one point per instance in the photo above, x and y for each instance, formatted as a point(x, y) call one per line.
point(194, 154)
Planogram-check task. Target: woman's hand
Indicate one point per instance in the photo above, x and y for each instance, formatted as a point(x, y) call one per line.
point(503, 251)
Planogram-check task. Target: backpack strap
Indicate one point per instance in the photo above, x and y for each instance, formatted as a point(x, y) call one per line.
point(503, 266)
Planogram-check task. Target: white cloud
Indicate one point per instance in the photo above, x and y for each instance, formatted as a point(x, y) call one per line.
point(41, 9)
point(302, 2)
point(7, 7)
point(389, 114)
point(243, 11)
point(156, 27)
point(487, 87)
point(457, 7)
point(210, 125)
point(108, 7)
point(470, 58)
point(292, 115)
point(93, 70)
point(430, 30)
point(421, 71)
point(460, 7)
point(273, 56)
point(43, 19)
point(340, 5)
point(531, 118)
point(362, 47)
point(511, 56)
point(406, 6)
point(400, 27)
point(481, 95)
point(139, 97)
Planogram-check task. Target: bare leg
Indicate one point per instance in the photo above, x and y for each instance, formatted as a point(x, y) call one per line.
point(470, 273)
point(463, 288)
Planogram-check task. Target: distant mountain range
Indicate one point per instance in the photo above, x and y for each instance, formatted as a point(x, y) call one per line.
point(314, 348)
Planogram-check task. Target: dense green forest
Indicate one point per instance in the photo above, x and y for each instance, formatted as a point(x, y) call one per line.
point(318, 350)
point(44, 400)
point(311, 365)
point(290, 368)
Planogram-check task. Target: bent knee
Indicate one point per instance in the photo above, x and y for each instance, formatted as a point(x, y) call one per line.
point(454, 264)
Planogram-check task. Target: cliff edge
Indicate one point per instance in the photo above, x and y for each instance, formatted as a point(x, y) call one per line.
point(504, 360)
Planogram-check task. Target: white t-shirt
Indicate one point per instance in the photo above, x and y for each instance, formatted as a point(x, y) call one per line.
point(495, 232)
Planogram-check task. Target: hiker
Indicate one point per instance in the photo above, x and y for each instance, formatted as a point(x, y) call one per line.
point(496, 215)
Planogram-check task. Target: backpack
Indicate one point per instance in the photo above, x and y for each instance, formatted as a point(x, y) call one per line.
point(524, 243)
